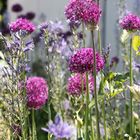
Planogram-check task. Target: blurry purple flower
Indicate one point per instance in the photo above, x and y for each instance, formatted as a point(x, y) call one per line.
point(42, 27)
point(74, 86)
point(73, 25)
point(30, 15)
point(66, 104)
point(27, 68)
point(17, 8)
point(56, 27)
point(114, 61)
point(22, 25)
point(28, 46)
point(82, 61)
point(37, 92)
point(60, 129)
point(86, 11)
point(130, 22)
point(136, 66)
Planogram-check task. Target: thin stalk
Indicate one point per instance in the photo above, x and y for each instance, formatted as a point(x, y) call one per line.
point(104, 119)
point(95, 90)
point(49, 116)
point(92, 129)
point(87, 108)
point(99, 42)
point(131, 98)
point(103, 105)
point(33, 125)
point(83, 31)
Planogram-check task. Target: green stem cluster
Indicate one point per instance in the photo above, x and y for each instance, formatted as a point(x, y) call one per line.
point(95, 88)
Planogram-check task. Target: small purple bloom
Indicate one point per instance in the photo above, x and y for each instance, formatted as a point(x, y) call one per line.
point(130, 22)
point(17, 8)
point(60, 129)
point(42, 27)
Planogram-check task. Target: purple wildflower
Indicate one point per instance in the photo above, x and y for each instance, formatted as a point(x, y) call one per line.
point(42, 27)
point(60, 129)
point(22, 24)
point(37, 92)
point(130, 22)
point(74, 86)
point(17, 8)
point(82, 61)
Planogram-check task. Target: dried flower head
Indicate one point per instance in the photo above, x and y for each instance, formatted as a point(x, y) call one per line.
point(130, 22)
point(22, 24)
point(83, 61)
point(37, 92)
point(74, 86)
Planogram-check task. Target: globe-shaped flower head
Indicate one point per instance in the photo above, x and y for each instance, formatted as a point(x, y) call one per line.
point(86, 11)
point(22, 24)
point(74, 86)
point(37, 92)
point(83, 61)
point(130, 22)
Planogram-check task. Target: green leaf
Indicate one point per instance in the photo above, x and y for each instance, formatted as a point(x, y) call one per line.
point(1, 55)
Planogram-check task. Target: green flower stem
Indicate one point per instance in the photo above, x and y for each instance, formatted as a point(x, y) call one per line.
point(103, 104)
point(87, 108)
point(104, 118)
point(49, 117)
point(33, 125)
point(131, 98)
point(83, 31)
point(95, 90)
point(92, 129)
point(99, 42)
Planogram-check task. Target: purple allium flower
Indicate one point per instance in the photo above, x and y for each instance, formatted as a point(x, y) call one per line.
point(130, 22)
point(83, 61)
point(74, 86)
point(92, 13)
point(22, 24)
point(30, 15)
point(74, 10)
point(60, 129)
point(37, 92)
point(83, 10)
point(17, 8)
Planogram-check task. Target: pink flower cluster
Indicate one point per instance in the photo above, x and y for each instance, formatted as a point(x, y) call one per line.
point(83, 61)
point(74, 86)
point(37, 92)
point(22, 24)
point(130, 22)
point(86, 11)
